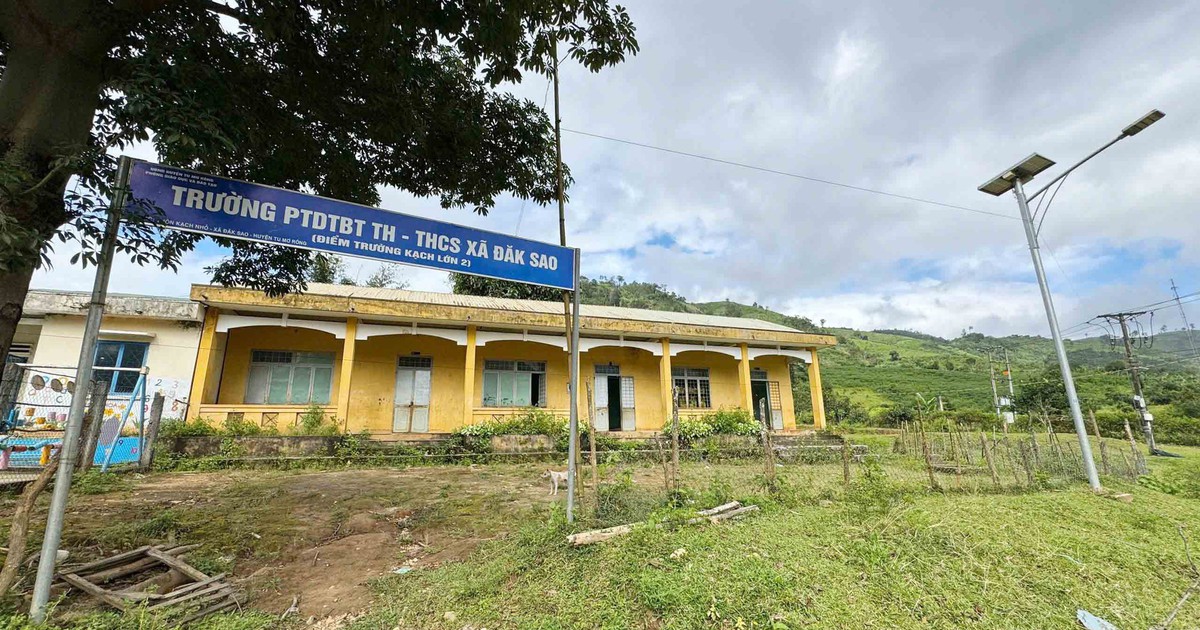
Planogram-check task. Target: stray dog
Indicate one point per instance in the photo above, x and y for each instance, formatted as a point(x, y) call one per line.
point(556, 477)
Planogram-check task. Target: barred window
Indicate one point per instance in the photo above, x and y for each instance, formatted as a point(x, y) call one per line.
point(514, 383)
point(119, 354)
point(692, 388)
point(416, 362)
point(758, 374)
point(286, 377)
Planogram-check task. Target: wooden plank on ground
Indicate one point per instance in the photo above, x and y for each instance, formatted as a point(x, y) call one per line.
point(178, 565)
point(218, 588)
point(97, 592)
point(110, 561)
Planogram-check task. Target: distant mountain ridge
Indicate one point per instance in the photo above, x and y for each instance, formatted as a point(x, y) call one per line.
point(885, 368)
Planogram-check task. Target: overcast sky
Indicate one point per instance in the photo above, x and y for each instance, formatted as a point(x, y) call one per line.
point(925, 100)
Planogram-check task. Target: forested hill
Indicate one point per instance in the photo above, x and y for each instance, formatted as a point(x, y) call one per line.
point(886, 368)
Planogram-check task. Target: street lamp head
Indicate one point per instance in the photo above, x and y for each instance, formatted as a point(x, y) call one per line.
point(1143, 122)
point(1023, 171)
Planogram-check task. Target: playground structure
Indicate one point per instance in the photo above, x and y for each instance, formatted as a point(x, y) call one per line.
point(34, 401)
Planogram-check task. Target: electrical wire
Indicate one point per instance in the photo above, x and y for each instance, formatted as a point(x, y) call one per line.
point(1062, 181)
point(807, 178)
point(525, 201)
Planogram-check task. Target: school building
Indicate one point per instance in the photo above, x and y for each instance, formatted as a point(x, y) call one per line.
point(401, 364)
point(159, 334)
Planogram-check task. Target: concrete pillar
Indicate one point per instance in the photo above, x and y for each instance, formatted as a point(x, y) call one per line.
point(665, 383)
point(343, 397)
point(468, 414)
point(204, 355)
point(814, 388)
point(744, 380)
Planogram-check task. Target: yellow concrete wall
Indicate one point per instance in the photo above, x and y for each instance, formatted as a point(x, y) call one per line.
point(171, 355)
point(778, 370)
point(722, 373)
point(639, 364)
point(557, 376)
point(373, 381)
point(240, 341)
point(374, 372)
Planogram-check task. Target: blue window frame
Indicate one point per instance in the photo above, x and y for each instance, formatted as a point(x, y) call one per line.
point(122, 354)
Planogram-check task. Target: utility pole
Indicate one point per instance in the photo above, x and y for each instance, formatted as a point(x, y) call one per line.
point(1183, 313)
point(995, 395)
point(1139, 401)
point(1010, 413)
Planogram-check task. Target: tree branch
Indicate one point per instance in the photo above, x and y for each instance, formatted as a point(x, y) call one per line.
point(226, 10)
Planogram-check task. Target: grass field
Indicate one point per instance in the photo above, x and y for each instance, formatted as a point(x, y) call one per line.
point(487, 549)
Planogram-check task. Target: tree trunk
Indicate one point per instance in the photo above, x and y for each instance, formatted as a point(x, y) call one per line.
point(18, 532)
point(48, 97)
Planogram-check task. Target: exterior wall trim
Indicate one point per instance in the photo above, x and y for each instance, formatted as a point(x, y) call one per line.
point(803, 355)
point(732, 351)
point(228, 322)
point(592, 343)
point(483, 337)
point(366, 331)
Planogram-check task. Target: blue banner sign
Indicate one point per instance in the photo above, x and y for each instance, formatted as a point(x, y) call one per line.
point(207, 204)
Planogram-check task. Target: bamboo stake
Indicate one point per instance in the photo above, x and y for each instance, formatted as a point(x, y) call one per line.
point(987, 456)
point(1025, 462)
point(768, 450)
point(592, 446)
point(674, 439)
point(928, 456)
point(1099, 440)
point(1012, 461)
point(846, 463)
point(1133, 447)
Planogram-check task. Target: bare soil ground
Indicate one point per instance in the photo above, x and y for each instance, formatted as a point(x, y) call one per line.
point(319, 536)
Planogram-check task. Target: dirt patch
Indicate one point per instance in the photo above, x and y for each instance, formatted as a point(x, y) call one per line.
point(331, 579)
point(267, 527)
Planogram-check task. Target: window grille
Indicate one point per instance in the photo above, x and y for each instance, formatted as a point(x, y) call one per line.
point(289, 377)
point(514, 383)
point(416, 362)
point(609, 369)
point(692, 388)
point(119, 354)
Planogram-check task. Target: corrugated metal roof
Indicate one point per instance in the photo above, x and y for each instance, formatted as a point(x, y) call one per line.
point(540, 307)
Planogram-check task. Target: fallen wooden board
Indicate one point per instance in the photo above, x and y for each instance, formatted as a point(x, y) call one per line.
point(598, 535)
point(720, 508)
point(728, 511)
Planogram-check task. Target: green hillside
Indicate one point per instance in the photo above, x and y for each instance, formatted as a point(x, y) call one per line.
point(870, 373)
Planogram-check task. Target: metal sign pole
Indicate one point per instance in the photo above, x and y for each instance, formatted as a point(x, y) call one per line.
point(572, 452)
point(70, 443)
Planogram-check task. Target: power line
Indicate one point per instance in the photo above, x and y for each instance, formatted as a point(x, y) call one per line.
point(772, 171)
point(525, 201)
point(1194, 297)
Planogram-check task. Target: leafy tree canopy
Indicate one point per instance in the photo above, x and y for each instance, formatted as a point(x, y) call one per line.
point(329, 97)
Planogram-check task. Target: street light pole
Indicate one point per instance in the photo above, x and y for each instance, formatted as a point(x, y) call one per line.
point(1014, 179)
point(1085, 447)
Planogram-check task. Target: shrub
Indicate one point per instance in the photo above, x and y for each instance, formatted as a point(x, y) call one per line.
point(693, 429)
point(315, 422)
point(178, 427)
point(732, 422)
point(531, 421)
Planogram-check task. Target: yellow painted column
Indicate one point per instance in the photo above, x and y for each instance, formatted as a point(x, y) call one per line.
point(814, 388)
point(744, 380)
point(665, 383)
point(468, 415)
point(348, 344)
point(208, 334)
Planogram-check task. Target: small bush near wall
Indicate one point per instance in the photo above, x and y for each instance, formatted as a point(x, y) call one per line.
point(721, 422)
point(314, 421)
